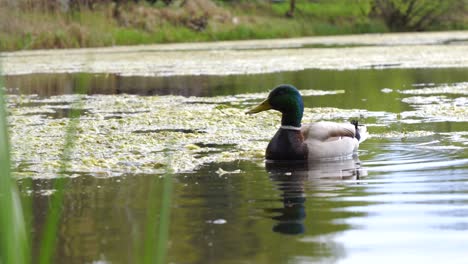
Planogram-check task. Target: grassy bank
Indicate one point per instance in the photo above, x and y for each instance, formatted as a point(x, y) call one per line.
point(33, 25)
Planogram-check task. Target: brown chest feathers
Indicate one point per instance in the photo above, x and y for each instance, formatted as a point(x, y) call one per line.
point(287, 145)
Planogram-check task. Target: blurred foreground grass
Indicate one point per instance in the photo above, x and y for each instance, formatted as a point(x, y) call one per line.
point(14, 236)
point(16, 215)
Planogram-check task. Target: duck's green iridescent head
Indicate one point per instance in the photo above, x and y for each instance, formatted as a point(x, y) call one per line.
point(286, 99)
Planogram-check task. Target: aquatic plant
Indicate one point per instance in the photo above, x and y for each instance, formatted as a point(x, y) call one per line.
point(49, 235)
point(14, 236)
point(157, 228)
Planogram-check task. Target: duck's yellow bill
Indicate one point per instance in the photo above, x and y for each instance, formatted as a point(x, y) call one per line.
point(263, 106)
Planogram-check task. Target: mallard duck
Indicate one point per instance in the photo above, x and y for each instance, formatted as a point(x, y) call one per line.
point(315, 141)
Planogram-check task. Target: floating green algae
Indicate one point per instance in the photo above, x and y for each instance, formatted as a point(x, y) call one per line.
point(108, 146)
point(129, 133)
point(425, 89)
point(436, 102)
point(250, 57)
point(119, 134)
point(438, 112)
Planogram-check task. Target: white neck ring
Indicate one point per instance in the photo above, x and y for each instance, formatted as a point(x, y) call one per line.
point(290, 128)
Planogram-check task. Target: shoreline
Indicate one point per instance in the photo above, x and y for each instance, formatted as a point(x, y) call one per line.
point(390, 50)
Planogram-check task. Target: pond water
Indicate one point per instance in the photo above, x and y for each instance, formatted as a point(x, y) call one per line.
point(404, 198)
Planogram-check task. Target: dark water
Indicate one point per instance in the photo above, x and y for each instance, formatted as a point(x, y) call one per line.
point(357, 82)
point(405, 199)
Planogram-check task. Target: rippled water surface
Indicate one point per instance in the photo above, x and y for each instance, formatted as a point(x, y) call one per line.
point(403, 199)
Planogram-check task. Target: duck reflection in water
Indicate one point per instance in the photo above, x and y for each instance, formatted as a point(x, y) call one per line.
point(292, 179)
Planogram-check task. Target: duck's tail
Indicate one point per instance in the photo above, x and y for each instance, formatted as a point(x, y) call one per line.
point(361, 131)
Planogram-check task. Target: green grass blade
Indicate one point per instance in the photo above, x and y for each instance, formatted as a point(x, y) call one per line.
point(148, 254)
point(14, 246)
point(49, 235)
point(155, 246)
point(164, 219)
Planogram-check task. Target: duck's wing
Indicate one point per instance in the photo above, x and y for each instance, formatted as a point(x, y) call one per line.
point(329, 140)
point(332, 148)
point(326, 131)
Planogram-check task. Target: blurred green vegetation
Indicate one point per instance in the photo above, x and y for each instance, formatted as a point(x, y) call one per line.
point(18, 218)
point(74, 24)
point(14, 232)
point(54, 210)
point(420, 15)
